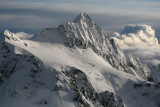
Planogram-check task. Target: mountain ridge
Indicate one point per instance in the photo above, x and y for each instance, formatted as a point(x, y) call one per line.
point(66, 67)
point(84, 33)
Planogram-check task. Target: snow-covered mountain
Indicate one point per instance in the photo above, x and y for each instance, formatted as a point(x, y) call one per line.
point(83, 33)
point(73, 65)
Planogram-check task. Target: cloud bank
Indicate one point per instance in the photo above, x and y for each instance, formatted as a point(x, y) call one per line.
point(148, 55)
point(33, 15)
point(136, 35)
point(139, 40)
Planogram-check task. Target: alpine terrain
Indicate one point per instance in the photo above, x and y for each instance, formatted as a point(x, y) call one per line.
point(75, 64)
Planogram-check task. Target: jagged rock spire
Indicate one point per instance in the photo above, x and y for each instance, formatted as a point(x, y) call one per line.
point(6, 32)
point(7, 35)
point(83, 18)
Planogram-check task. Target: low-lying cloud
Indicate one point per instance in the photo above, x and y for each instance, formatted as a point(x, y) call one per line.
point(148, 54)
point(136, 35)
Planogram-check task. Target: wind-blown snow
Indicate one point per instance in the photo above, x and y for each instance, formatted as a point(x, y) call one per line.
point(23, 35)
point(100, 73)
point(19, 35)
point(39, 77)
point(136, 35)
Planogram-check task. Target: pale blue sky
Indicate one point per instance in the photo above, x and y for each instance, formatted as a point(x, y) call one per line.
point(112, 15)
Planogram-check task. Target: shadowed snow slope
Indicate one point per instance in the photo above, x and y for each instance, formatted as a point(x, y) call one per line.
point(73, 65)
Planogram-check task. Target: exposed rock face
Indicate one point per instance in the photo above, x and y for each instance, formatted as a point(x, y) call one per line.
point(139, 69)
point(149, 90)
point(84, 94)
point(26, 77)
point(11, 63)
point(70, 80)
point(84, 33)
point(7, 35)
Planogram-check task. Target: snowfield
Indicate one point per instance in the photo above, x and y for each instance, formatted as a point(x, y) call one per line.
point(73, 65)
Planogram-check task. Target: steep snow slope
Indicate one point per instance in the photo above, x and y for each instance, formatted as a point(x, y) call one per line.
point(84, 33)
point(55, 71)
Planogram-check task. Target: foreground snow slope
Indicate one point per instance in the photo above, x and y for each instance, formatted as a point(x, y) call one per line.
point(46, 72)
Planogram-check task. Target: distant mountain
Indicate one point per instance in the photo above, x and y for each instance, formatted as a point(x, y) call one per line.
point(73, 65)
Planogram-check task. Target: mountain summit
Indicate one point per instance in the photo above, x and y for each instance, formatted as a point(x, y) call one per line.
point(84, 33)
point(83, 18)
point(73, 65)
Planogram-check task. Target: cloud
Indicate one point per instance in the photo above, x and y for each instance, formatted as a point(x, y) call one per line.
point(139, 40)
point(111, 15)
point(136, 35)
point(148, 55)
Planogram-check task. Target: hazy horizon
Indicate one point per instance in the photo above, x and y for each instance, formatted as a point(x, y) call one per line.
point(112, 15)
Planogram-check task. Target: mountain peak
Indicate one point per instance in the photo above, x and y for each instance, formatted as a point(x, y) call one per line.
point(83, 18)
point(6, 32)
point(7, 35)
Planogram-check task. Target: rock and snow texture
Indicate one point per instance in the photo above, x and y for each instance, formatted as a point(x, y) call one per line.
point(72, 66)
point(136, 35)
point(84, 33)
point(9, 36)
point(140, 40)
point(148, 55)
point(27, 82)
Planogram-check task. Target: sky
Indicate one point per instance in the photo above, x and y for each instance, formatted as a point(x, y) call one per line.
point(31, 16)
